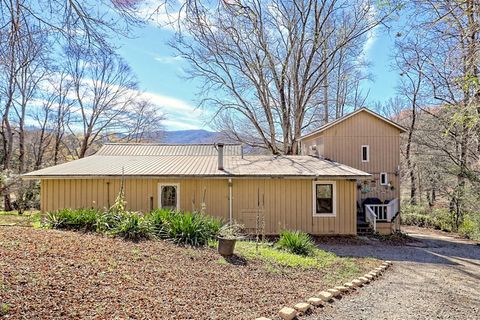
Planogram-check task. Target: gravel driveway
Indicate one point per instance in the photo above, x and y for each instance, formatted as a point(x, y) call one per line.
point(435, 278)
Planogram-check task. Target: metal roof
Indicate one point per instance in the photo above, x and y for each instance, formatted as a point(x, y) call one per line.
point(157, 149)
point(101, 165)
point(345, 117)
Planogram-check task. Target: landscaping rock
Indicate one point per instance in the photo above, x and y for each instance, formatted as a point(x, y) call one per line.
point(357, 283)
point(342, 288)
point(369, 277)
point(334, 292)
point(314, 301)
point(325, 296)
point(349, 285)
point(263, 318)
point(364, 280)
point(287, 313)
point(302, 307)
point(389, 262)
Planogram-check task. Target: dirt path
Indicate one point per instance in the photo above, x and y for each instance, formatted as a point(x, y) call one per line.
point(436, 278)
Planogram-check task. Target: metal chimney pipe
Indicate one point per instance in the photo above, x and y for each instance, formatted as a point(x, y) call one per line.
point(220, 155)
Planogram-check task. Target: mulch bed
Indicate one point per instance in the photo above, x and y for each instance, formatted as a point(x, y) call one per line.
point(50, 274)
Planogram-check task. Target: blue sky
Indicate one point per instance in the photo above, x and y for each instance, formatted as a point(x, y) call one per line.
point(161, 75)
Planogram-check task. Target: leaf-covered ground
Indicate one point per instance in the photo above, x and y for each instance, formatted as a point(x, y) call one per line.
point(49, 274)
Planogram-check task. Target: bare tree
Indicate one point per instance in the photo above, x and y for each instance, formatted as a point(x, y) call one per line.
point(104, 88)
point(410, 61)
point(264, 64)
point(142, 122)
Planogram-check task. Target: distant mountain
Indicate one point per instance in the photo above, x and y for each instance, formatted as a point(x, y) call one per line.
point(190, 136)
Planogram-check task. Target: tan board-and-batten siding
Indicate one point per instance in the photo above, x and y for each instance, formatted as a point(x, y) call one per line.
point(343, 141)
point(286, 203)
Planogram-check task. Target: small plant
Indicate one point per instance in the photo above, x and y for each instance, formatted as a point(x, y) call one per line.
point(189, 228)
point(133, 227)
point(4, 308)
point(296, 242)
point(227, 237)
point(81, 219)
point(159, 220)
point(232, 231)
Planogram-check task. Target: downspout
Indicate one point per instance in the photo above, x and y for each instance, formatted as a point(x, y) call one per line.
point(230, 202)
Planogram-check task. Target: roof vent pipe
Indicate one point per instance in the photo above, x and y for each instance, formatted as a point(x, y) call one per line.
point(220, 155)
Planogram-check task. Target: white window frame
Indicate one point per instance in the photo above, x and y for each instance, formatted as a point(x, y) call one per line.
point(368, 153)
point(386, 178)
point(160, 186)
point(334, 198)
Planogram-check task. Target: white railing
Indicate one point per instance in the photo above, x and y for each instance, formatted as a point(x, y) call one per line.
point(393, 207)
point(371, 218)
point(384, 212)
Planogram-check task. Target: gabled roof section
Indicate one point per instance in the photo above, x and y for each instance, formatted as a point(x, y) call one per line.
point(158, 149)
point(341, 119)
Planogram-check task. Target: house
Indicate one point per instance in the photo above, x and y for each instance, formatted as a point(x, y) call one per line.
point(310, 192)
point(369, 142)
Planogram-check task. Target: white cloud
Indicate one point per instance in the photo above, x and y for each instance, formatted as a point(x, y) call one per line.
point(163, 15)
point(168, 59)
point(180, 114)
point(372, 34)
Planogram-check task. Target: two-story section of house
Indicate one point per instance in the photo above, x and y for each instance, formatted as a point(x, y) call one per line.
point(370, 142)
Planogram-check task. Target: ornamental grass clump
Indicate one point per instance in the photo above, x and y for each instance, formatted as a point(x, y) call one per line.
point(80, 219)
point(191, 228)
point(296, 242)
point(159, 220)
point(133, 226)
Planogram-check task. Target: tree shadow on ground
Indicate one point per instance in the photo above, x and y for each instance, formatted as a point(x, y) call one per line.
point(434, 250)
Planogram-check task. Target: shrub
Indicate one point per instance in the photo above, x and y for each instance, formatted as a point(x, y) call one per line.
point(296, 242)
point(108, 221)
point(415, 219)
point(81, 219)
point(189, 228)
point(159, 220)
point(133, 227)
point(470, 227)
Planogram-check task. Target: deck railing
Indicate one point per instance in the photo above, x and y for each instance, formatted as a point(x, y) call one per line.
point(383, 212)
point(371, 218)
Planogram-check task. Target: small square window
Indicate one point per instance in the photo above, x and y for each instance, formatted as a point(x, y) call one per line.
point(383, 179)
point(365, 153)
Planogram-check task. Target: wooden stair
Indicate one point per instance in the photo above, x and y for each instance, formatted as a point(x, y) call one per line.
point(364, 229)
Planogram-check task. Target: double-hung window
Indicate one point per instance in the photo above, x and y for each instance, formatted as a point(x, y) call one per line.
point(324, 196)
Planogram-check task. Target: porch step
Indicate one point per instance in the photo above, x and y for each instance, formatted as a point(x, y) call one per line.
point(364, 229)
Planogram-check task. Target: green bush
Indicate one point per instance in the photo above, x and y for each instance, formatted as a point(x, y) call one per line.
point(470, 227)
point(132, 227)
point(108, 221)
point(415, 219)
point(159, 220)
point(438, 218)
point(296, 242)
point(189, 228)
point(181, 227)
point(81, 219)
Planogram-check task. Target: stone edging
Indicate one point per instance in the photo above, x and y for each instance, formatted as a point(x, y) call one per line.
point(323, 297)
